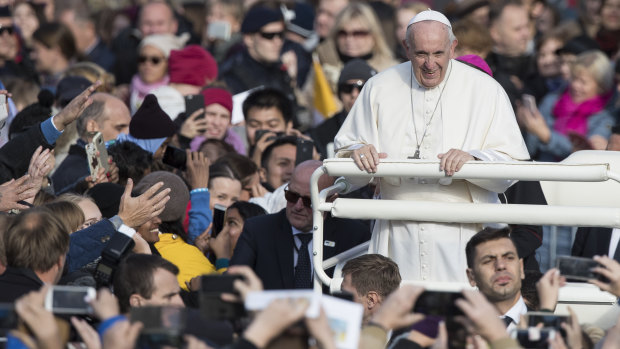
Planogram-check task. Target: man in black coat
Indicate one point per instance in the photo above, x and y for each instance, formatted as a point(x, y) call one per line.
point(275, 245)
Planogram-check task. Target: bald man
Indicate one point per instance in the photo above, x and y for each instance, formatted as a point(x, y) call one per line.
point(108, 115)
point(278, 247)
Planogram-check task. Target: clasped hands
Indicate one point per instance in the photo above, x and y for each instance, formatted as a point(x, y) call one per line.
point(367, 159)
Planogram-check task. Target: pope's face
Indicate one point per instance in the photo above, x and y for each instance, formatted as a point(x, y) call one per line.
point(430, 52)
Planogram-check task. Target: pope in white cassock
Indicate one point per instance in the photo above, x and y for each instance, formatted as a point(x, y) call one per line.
point(431, 108)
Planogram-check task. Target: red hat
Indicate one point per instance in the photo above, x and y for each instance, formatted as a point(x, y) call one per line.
point(219, 96)
point(191, 65)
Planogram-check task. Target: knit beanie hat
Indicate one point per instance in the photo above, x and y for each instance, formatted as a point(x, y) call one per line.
point(219, 96)
point(32, 114)
point(258, 17)
point(150, 121)
point(107, 196)
point(179, 194)
point(191, 65)
point(165, 42)
point(356, 69)
point(70, 87)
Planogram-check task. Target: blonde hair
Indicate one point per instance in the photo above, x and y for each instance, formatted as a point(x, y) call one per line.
point(598, 66)
point(70, 214)
point(363, 13)
point(93, 72)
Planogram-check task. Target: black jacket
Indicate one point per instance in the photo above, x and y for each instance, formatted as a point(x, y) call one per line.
point(16, 282)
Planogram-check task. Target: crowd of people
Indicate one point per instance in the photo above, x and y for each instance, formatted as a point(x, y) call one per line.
point(130, 128)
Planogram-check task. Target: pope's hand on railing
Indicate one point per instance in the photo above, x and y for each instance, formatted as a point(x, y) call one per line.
point(453, 160)
point(367, 158)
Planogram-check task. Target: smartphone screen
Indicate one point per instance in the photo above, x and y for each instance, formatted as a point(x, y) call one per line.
point(211, 304)
point(576, 267)
point(438, 303)
point(69, 299)
point(161, 325)
point(533, 337)
point(175, 157)
point(304, 150)
point(193, 103)
point(219, 211)
point(219, 30)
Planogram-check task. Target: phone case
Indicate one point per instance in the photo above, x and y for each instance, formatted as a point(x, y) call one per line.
point(96, 161)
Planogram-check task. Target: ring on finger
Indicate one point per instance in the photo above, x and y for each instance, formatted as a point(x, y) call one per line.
point(362, 156)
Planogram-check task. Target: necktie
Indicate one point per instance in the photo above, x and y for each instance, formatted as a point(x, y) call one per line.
point(303, 271)
point(507, 320)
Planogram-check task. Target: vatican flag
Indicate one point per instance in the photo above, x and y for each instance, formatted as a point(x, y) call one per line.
point(324, 101)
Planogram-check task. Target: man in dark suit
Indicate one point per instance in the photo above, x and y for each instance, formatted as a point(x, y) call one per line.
point(278, 246)
point(596, 241)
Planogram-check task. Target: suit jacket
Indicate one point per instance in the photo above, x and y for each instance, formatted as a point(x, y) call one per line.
point(266, 245)
point(591, 241)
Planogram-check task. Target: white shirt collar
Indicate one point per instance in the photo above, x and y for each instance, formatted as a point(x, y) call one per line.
point(515, 313)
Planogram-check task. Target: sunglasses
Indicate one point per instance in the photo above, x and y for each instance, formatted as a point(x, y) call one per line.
point(292, 197)
point(270, 36)
point(348, 87)
point(6, 29)
point(356, 33)
point(154, 60)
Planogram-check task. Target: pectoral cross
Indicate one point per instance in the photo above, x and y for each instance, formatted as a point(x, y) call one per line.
point(416, 155)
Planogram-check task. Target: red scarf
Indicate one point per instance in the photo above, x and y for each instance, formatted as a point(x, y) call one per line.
point(571, 117)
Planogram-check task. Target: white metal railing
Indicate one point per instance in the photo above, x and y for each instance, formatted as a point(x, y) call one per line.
point(568, 171)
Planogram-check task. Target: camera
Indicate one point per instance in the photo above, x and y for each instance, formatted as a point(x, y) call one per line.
point(118, 246)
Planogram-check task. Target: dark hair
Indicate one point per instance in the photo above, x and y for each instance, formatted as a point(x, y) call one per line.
point(528, 288)
point(241, 165)
point(264, 158)
point(221, 169)
point(132, 161)
point(247, 209)
point(485, 235)
point(135, 276)
point(373, 272)
point(269, 98)
point(219, 148)
point(497, 8)
point(35, 240)
point(32, 114)
point(58, 35)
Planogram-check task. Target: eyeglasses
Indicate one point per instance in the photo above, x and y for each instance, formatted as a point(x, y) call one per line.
point(270, 36)
point(292, 197)
point(348, 87)
point(154, 60)
point(356, 33)
point(6, 29)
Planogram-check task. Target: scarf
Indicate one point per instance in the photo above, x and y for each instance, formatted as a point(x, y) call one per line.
point(572, 117)
point(142, 89)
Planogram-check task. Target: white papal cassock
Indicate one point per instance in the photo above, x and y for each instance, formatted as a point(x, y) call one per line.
point(474, 115)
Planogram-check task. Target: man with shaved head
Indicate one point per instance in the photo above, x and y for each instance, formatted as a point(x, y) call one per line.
point(438, 109)
point(278, 246)
point(108, 115)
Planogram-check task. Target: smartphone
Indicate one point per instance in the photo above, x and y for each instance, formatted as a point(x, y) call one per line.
point(549, 320)
point(577, 268)
point(69, 299)
point(529, 102)
point(161, 325)
point(211, 304)
point(219, 211)
point(260, 133)
point(533, 337)
point(438, 303)
point(175, 157)
point(97, 155)
point(193, 103)
point(304, 150)
point(218, 30)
